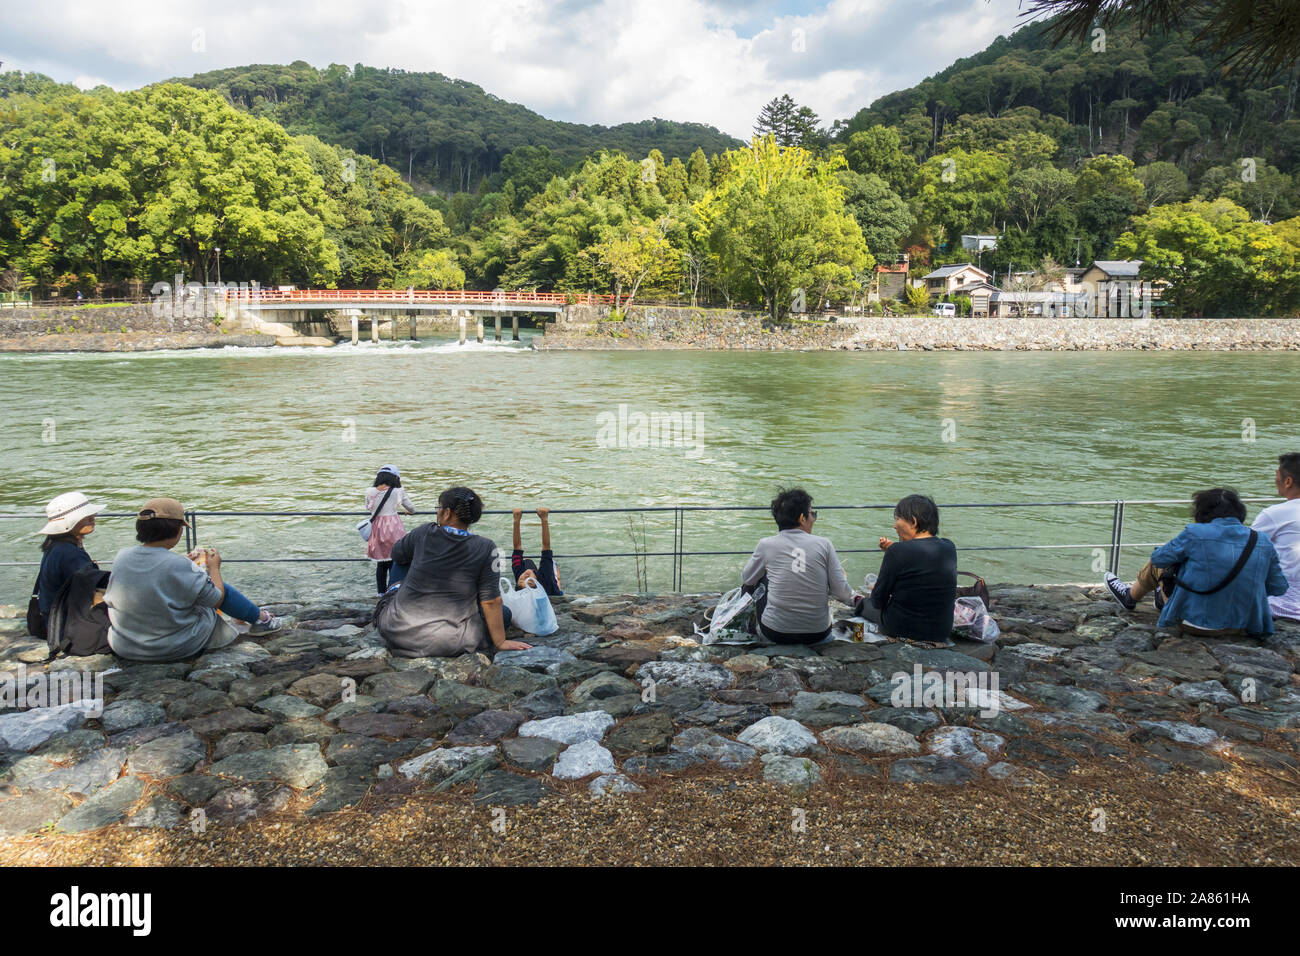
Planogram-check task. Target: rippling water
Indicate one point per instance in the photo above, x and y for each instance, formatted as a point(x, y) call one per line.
point(278, 429)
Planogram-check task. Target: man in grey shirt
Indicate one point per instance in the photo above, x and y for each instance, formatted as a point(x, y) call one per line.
point(801, 570)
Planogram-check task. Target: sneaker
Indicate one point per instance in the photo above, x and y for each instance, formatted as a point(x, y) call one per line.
point(1158, 595)
point(266, 627)
point(1120, 592)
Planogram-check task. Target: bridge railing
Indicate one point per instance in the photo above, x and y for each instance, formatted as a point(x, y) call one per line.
point(1118, 512)
point(399, 296)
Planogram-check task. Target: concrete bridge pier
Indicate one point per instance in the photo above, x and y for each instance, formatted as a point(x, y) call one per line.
point(498, 326)
point(462, 327)
point(412, 318)
point(514, 326)
point(356, 328)
point(374, 328)
point(478, 328)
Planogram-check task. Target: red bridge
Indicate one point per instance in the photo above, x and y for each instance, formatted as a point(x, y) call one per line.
point(399, 299)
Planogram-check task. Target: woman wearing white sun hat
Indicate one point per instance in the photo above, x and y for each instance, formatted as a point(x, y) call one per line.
point(70, 517)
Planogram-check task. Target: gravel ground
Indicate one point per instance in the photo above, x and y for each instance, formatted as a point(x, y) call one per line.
point(1248, 817)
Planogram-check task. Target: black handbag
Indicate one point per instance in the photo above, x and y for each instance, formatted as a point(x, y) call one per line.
point(1169, 576)
point(35, 622)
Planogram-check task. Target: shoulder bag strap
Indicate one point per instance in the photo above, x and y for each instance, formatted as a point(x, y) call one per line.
point(383, 502)
point(1236, 568)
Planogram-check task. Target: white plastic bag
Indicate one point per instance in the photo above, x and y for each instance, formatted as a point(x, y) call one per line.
point(530, 607)
point(971, 617)
point(728, 608)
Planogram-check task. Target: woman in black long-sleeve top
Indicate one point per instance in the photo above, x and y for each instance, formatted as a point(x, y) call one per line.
point(917, 586)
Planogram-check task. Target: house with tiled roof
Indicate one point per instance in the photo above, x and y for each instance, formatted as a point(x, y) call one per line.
point(951, 279)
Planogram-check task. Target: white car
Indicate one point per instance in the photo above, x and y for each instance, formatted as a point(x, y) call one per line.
point(948, 309)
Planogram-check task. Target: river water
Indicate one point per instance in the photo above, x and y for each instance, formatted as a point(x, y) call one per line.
point(298, 430)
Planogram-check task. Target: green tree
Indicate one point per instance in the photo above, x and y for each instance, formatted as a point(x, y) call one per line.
point(1216, 260)
point(961, 193)
point(917, 299)
point(882, 214)
point(1162, 183)
point(788, 123)
point(1114, 175)
point(778, 224)
point(429, 269)
point(630, 256)
point(879, 151)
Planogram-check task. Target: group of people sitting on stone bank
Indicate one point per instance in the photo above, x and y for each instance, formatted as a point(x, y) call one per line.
point(1217, 578)
point(794, 571)
point(1220, 578)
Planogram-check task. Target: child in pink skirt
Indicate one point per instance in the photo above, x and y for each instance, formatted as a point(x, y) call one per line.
point(386, 528)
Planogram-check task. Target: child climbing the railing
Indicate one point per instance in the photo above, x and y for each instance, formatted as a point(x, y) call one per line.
point(546, 574)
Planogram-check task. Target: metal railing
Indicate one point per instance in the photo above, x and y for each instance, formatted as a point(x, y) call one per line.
point(398, 296)
point(679, 553)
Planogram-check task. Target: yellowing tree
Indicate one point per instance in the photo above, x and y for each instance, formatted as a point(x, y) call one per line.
point(629, 256)
point(777, 228)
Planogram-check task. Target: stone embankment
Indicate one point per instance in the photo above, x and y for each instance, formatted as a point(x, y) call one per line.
point(684, 328)
point(121, 328)
point(320, 717)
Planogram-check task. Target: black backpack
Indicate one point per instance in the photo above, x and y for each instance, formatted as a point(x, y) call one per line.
point(76, 625)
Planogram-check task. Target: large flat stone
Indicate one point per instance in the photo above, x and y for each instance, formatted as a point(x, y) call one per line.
point(28, 729)
point(488, 727)
point(168, 756)
point(704, 745)
point(32, 812)
point(298, 765)
point(106, 807)
point(570, 729)
point(583, 759)
point(702, 676)
point(650, 733)
point(794, 773)
point(778, 734)
point(872, 738)
point(930, 769)
point(531, 753)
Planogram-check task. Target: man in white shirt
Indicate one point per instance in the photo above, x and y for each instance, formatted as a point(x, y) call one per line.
point(1281, 522)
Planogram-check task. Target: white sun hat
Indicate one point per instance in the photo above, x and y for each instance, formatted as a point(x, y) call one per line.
point(65, 511)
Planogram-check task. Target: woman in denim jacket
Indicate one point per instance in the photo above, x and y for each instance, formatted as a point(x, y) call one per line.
point(1204, 555)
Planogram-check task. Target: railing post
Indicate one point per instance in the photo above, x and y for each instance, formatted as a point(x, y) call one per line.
point(679, 528)
point(1117, 538)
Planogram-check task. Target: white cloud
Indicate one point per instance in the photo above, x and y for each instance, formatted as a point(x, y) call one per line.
point(589, 61)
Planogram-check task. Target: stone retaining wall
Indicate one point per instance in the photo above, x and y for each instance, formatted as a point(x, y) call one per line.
point(653, 327)
point(71, 320)
point(132, 341)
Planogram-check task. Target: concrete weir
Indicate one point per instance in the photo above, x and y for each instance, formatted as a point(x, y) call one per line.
point(319, 314)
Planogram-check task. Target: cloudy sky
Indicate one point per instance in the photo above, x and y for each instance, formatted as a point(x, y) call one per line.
point(587, 61)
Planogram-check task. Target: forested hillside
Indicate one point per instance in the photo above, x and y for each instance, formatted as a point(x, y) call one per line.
point(447, 133)
point(1127, 147)
point(1153, 100)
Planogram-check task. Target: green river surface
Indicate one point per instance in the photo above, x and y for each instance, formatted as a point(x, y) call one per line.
point(306, 429)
